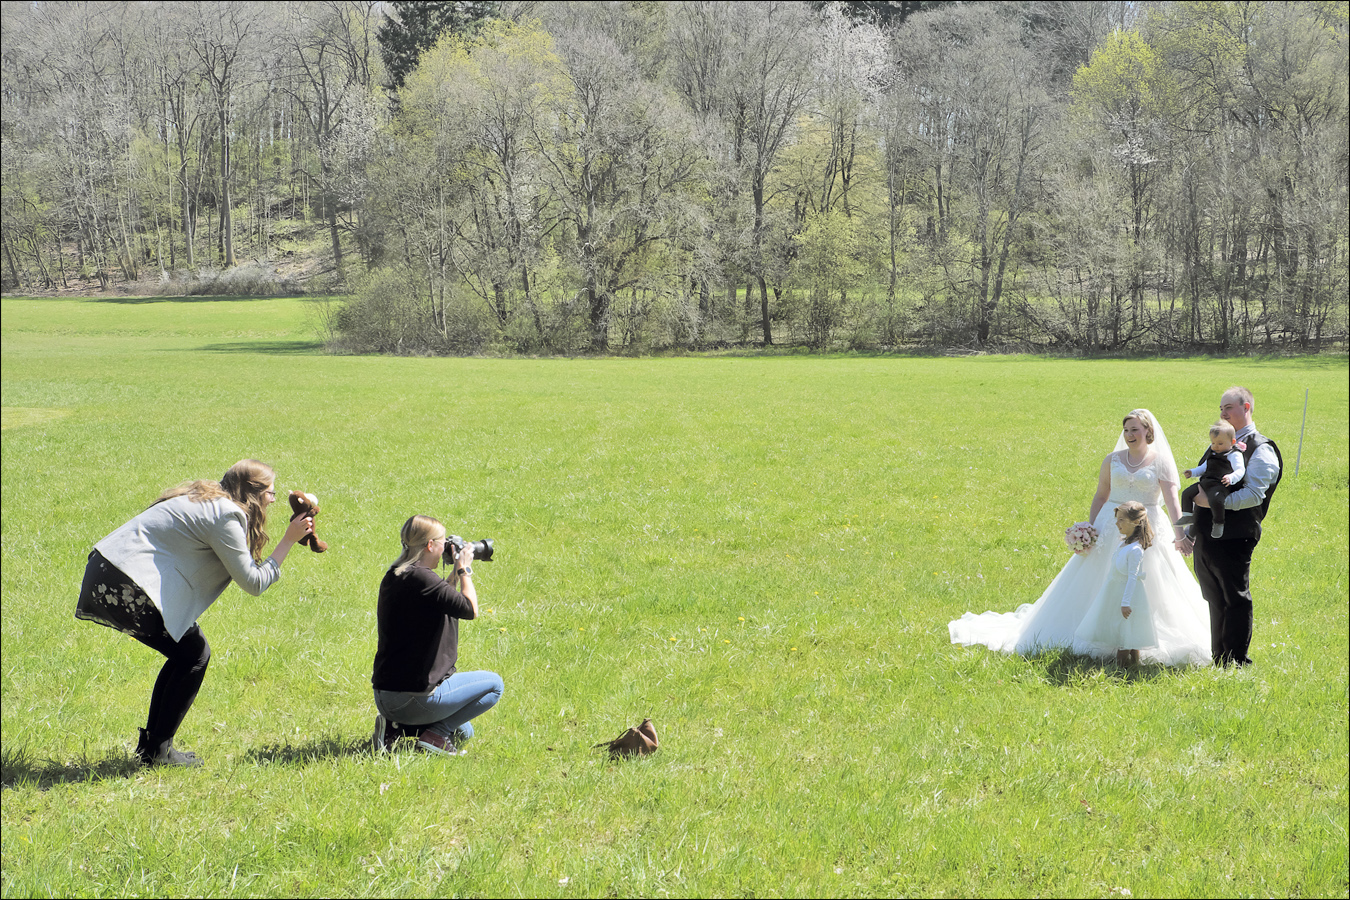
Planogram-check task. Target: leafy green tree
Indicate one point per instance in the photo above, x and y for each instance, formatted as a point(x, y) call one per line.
point(827, 264)
point(620, 168)
point(461, 184)
point(1275, 79)
point(415, 26)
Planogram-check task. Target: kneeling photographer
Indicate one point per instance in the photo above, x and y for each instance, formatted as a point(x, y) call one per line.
point(418, 691)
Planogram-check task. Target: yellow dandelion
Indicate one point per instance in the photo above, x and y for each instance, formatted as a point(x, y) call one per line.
point(742, 618)
point(501, 629)
point(726, 642)
point(794, 649)
point(672, 639)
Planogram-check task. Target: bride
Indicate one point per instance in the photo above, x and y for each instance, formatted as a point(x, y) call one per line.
point(1140, 468)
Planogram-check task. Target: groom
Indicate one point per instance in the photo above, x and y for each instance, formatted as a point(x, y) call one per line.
point(1223, 565)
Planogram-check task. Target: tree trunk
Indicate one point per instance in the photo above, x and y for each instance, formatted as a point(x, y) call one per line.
point(333, 234)
point(764, 311)
point(226, 213)
point(599, 327)
point(13, 269)
point(188, 227)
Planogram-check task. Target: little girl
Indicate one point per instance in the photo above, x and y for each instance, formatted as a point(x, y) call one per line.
point(1120, 618)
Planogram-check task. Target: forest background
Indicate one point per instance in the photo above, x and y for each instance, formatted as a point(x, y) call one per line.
point(526, 177)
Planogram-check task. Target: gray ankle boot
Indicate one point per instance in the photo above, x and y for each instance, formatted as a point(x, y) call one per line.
point(154, 752)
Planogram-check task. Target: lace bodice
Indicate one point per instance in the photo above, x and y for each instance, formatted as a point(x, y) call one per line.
point(1141, 485)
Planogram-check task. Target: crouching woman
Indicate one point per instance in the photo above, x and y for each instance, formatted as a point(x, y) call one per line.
point(418, 692)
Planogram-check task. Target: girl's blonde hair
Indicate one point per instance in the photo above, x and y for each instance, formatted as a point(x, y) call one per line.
point(416, 534)
point(1135, 513)
point(1222, 428)
point(245, 482)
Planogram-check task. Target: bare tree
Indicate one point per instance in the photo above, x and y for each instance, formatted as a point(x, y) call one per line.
point(224, 36)
point(326, 51)
point(749, 65)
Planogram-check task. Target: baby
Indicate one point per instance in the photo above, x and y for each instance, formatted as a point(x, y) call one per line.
point(1220, 468)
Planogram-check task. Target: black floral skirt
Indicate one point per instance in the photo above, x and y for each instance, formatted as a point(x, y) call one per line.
point(109, 597)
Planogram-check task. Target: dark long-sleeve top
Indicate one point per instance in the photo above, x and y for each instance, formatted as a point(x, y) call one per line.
point(417, 618)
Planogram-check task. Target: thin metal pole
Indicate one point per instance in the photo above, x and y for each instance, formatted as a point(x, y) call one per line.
point(1302, 428)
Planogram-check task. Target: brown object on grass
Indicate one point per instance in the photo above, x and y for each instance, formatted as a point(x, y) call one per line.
point(633, 742)
point(303, 504)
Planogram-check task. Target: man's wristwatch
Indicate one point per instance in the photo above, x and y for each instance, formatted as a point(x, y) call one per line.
point(467, 570)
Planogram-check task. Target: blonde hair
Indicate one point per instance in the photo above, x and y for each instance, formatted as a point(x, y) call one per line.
point(245, 482)
point(416, 534)
point(1135, 513)
point(1144, 419)
point(1224, 429)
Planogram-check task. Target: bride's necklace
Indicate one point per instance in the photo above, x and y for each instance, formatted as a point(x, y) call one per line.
point(1130, 464)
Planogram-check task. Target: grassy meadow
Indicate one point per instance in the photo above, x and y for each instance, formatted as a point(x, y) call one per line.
point(760, 553)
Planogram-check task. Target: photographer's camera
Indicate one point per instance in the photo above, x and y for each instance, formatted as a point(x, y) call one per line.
point(454, 545)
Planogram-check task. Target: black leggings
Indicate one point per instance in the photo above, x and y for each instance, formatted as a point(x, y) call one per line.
point(178, 681)
point(108, 596)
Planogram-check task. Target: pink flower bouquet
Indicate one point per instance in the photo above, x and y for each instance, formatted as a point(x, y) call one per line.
point(1081, 538)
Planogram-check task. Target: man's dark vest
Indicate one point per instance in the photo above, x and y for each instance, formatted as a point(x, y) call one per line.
point(1246, 523)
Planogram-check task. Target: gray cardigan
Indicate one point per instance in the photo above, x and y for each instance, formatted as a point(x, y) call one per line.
point(184, 554)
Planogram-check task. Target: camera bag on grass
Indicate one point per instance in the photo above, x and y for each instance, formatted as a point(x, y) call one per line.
point(637, 741)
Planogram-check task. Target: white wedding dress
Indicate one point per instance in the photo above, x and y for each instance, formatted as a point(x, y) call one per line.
point(1179, 613)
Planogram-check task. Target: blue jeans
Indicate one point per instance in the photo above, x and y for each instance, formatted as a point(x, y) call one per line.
point(447, 709)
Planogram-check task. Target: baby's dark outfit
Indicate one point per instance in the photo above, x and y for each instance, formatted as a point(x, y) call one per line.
point(1211, 469)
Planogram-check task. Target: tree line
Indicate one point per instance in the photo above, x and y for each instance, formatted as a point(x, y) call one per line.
point(633, 176)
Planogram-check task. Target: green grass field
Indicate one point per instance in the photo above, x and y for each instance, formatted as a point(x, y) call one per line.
point(762, 554)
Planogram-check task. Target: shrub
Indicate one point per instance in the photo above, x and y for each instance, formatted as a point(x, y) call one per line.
point(252, 279)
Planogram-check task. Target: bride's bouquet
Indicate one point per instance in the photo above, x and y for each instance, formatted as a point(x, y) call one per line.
point(1081, 538)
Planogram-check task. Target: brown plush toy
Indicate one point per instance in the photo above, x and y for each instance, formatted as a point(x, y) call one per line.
point(634, 741)
point(303, 504)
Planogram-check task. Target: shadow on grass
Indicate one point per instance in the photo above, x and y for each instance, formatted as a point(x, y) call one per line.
point(196, 298)
point(20, 769)
point(308, 752)
point(277, 347)
point(1068, 669)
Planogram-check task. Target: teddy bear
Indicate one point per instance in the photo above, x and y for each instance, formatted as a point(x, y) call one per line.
point(303, 504)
